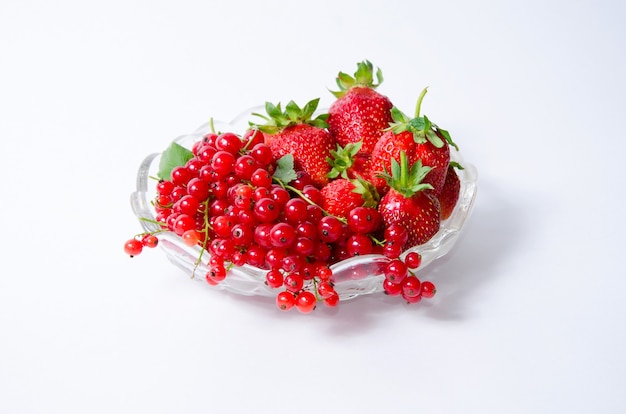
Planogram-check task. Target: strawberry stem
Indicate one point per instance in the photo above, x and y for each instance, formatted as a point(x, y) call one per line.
point(418, 107)
point(404, 170)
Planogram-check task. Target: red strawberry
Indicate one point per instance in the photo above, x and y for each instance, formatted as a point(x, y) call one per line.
point(341, 195)
point(449, 195)
point(294, 131)
point(388, 148)
point(408, 204)
point(360, 113)
point(431, 145)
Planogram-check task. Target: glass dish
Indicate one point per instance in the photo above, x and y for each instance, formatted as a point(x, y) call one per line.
point(353, 277)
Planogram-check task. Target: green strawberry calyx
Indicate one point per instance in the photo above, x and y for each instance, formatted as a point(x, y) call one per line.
point(278, 119)
point(363, 77)
point(404, 179)
point(342, 158)
point(422, 128)
point(367, 191)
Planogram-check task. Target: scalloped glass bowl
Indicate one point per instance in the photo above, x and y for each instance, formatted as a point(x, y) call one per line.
point(353, 277)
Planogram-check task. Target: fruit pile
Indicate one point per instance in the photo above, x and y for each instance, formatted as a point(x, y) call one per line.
point(299, 191)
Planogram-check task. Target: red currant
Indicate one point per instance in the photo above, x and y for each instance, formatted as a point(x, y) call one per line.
point(274, 278)
point(285, 300)
point(262, 154)
point(325, 289)
point(294, 282)
point(223, 163)
point(191, 237)
point(295, 210)
point(359, 245)
point(396, 271)
point(133, 247)
point(245, 165)
point(266, 210)
point(363, 220)
point(261, 178)
point(392, 289)
point(332, 300)
point(282, 235)
point(428, 289)
point(411, 286)
point(306, 302)
point(413, 260)
point(329, 229)
point(228, 142)
point(150, 241)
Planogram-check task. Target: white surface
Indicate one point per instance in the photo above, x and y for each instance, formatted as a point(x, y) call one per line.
point(530, 313)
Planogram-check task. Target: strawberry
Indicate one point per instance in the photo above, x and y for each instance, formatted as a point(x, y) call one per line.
point(431, 146)
point(360, 113)
point(341, 195)
point(387, 149)
point(449, 195)
point(407, 202)
point(294, 131)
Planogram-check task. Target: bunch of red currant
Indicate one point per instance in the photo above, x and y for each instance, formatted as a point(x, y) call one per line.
point(243, 208)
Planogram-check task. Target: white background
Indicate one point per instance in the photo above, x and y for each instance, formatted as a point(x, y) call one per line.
point(530, 313)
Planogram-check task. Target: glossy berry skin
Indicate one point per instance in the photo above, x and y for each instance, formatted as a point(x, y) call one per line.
point(363, 220)
point(325, 289)
point(133, 247)
point(389, 147)
point(339, 197)
point(360, 113)
point(150, 241)
point(359, 245)
point(285, 300)
point(310, 147)
point(427, 289)
point(420, 214)
point(332, 300)
point(413, 260)
point(228, 142)
point(306, 302)
point(329, 229)
point(274, 278)
point(266, 210)
point(411, 286)
point(396, 271)
point(392, 289)
point(449, 195)
point(282, 235)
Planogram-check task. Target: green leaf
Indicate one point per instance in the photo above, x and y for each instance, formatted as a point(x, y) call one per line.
point(273, 110)
point(174, 156)
point(309, 108)
point(434, 138)
point(293, 111)
point(398, 116)
point(417, 125)
point(448, 138)
point(285, 171)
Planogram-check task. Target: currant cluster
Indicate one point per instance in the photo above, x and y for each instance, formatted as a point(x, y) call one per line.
point(228, 199)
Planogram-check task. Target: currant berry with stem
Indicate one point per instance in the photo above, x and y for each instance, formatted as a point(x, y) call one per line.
point(133, 247)
point(413, 260)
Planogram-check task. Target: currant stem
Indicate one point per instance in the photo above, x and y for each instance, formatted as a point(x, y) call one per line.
point(203, 246)
point(307, 199)
point(419, 102)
